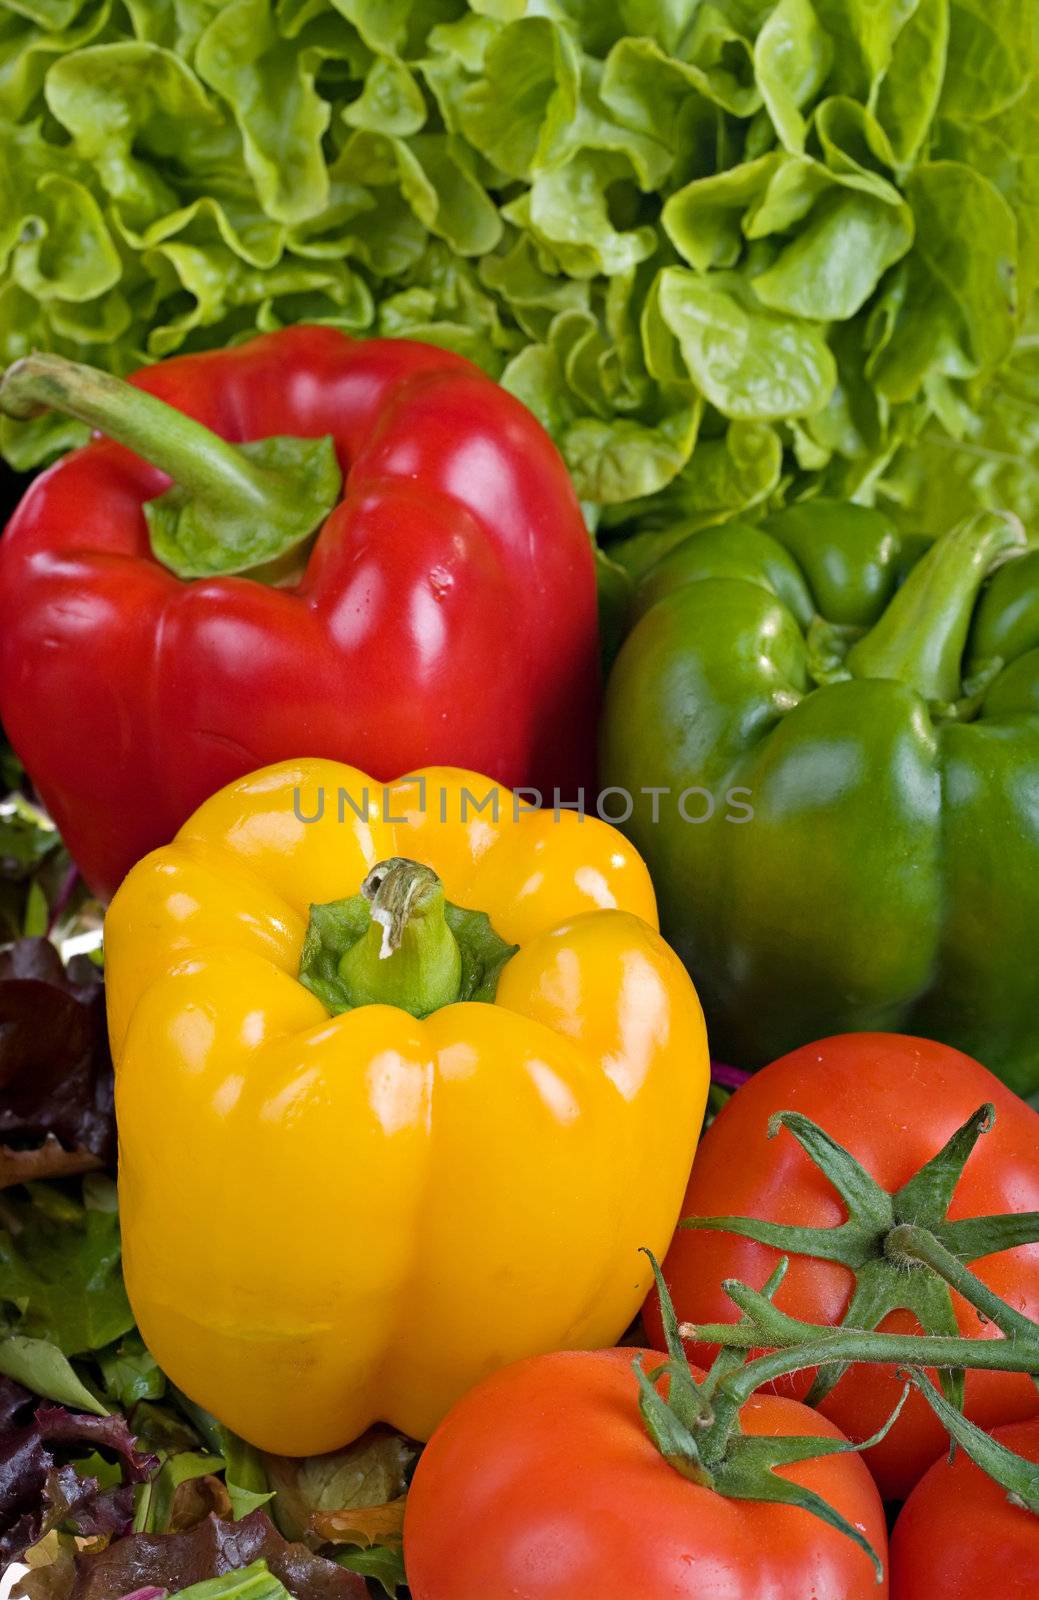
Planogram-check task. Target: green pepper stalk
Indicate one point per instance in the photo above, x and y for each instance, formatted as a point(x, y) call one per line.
point(921, 637)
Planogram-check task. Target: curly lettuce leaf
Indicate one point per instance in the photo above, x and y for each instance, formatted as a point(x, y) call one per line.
point(993, 463)
point(653, 220)
point(40, 1492)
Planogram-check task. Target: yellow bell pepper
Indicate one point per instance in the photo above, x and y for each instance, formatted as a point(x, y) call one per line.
point(338, 1210)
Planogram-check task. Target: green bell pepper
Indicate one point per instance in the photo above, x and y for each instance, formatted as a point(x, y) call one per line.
point(863, 713)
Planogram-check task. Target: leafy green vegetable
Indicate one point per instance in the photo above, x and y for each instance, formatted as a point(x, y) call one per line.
point(40, 1366)
point(245, 1473)
point(750, 364)
point(380, 1562)
point(130, 1373)
point(154, 1513)
point(254, 1582)
point(657, 222)
point(60, 1270)
point(27, 834)
point(352, 1499)
point(56, 1111)
point(212, 1548)
point(372, 1473)
point(11, 771)
point(39, 888)
point(994, 463)
point(54, 1476)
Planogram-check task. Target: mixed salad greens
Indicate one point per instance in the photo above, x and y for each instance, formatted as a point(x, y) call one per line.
point(728, 251)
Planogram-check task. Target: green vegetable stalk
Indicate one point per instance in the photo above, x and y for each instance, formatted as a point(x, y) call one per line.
point(254, 1582)
point(727, 251)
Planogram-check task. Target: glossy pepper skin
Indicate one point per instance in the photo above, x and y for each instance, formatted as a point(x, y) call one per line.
point(446, 612)
point(328, 1221)
point(878, 710)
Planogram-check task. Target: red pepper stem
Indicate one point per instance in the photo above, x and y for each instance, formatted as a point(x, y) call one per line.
point(193, 456)
point(921, 637)
point(231, 509)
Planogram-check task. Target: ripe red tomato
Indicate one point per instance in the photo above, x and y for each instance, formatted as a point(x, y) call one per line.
point(542, 1484)
point(893, 1102)
point(960, 1537)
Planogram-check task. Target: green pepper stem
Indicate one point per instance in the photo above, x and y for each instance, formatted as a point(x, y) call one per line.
point(921, 637)
point(233, 508)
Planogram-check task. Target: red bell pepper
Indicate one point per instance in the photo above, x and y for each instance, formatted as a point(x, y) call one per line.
point(405, 579)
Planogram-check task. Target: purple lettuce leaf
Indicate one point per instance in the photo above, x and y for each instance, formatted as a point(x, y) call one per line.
point(38, 1493)
point(56, 1110)
point(175, 1561)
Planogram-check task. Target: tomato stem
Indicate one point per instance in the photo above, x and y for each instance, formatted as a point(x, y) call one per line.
point(901, 1247)
point(696, 1427)
point(1012, 1472)
point(803, 1344)
point(916, 1257)
point(908, 1245)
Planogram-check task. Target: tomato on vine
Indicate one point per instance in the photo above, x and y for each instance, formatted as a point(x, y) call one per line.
point(882, 1165)
point(543, 1484)
point(960, 1535)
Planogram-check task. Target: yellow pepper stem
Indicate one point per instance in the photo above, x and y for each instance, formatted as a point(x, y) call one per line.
point(407, 956)
point(400, 943)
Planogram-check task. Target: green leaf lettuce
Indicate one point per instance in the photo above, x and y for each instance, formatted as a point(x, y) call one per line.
point(659, 222)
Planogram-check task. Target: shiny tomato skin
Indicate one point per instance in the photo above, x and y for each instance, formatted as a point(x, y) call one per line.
point(893, 1101)
point(959, 1537)
point(542, 1484)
